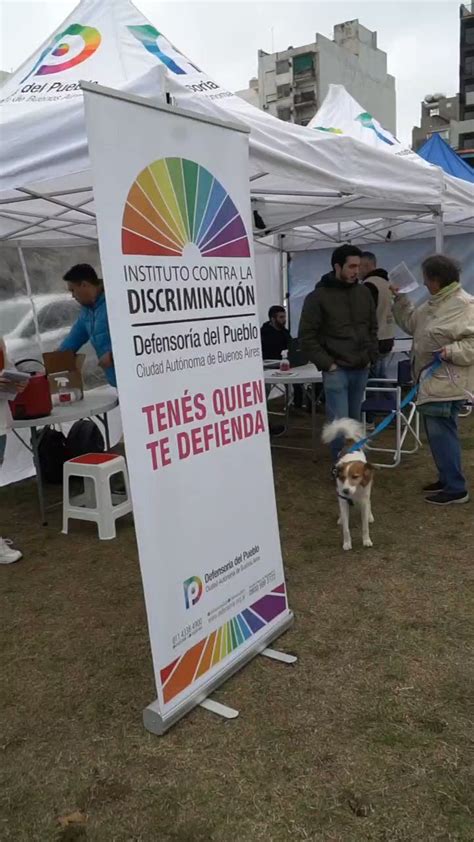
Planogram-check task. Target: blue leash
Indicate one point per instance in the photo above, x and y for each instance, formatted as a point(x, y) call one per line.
point(406, 400)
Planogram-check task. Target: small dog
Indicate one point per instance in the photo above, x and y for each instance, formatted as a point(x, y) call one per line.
point(354, 478)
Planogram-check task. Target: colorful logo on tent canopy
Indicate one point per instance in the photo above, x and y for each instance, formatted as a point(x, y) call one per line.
point(175, 202)
point(76, 44)
point(367, 121)
point(160, 47)
point(328, 129)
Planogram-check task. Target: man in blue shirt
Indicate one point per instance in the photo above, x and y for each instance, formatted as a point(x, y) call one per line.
point(92, 325)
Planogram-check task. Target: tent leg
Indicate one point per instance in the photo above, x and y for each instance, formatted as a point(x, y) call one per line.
point(439, 234)
point(30, 296)
point(284, 276)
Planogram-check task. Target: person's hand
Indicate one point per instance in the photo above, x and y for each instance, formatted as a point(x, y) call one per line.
point(107, 360)
point(443, 352)
point(332, 367)
point(394, 289)
point(9, 386)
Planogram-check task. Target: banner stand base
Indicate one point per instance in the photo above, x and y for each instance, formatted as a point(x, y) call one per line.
point(154, 721)
point(220, 710)
point(276, 655)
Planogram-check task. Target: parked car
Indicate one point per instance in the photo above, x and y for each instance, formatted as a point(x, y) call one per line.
point(12, 311)
point(56, 313)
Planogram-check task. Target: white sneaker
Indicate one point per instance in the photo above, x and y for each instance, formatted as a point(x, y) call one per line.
point(7, 554)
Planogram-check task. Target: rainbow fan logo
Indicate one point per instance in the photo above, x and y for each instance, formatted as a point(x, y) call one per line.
point(81, 40)
point(192, 591)
point(175, 203)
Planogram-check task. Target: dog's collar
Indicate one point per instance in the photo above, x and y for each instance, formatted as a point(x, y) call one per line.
point(347, 499)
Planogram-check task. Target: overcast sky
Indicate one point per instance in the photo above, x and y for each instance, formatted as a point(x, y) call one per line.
point(420, 38)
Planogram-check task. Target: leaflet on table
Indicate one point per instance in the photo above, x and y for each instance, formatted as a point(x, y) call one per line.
point(13, 376)
point(401, 278)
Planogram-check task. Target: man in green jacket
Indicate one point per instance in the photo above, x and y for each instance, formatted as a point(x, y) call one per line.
point(338, 332)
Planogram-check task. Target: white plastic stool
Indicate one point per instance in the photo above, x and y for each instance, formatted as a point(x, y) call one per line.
point(97, 470)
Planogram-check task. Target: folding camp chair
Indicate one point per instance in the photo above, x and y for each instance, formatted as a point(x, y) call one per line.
point(384, 397)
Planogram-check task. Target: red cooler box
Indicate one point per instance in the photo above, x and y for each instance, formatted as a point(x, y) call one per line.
point(35, 400)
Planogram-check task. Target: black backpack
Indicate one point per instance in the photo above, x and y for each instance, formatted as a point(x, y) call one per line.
point(84, 437)
point(52, 455)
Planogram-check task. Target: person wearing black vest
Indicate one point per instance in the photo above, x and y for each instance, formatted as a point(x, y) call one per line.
point(377, 282)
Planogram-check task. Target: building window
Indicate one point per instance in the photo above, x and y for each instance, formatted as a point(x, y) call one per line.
point(282, 66)
point(283, 91)
point(305, 97)
point(284, 113)
point(469, 113)
point(466, 141)
point(434, 112)
point(469, 88)
point(303, 65)
point(469, 35)
point(469, 66)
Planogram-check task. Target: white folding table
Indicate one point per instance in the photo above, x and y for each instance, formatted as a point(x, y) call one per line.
point(95, 404)
point(304, 375)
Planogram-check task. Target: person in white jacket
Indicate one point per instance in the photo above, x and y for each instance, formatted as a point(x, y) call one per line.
point(443, 325)
point(8, 555)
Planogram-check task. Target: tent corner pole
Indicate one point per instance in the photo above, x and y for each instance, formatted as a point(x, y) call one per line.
point(439, 233)
point(30, 295)
point(283, 274)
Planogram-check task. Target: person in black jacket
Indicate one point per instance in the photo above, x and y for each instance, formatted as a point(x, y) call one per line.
point(338, 332)
point(274, 334)
point(275, 338)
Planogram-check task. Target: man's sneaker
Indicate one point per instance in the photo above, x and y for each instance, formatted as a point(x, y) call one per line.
point(443, 498)
point(7, 554)
point(433, 488)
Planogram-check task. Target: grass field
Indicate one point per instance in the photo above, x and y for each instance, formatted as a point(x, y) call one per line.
point(368, 737)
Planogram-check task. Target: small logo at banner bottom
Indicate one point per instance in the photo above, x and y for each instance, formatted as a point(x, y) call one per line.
point(192, 591)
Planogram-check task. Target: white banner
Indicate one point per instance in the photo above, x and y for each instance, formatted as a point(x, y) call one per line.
point(173, 215)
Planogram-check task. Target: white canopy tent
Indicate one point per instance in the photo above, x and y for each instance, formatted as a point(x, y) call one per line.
point(342, 116)
point(297, 176)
